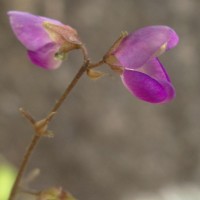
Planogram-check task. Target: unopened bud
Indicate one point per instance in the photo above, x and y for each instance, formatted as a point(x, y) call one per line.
point(55, 194)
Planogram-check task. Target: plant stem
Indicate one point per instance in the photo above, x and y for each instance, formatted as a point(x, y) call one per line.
point(94, 65)
point(23, 165)
point(37, 137)
point(70, 87)
point(86, 65)
point(74, 81)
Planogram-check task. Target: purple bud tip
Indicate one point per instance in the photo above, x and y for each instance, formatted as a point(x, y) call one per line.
point(42, 43)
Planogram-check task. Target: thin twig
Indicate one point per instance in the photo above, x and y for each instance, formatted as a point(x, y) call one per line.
point(27, 116)
point(70, 87)
point(37, 136)
point(94, 65)
point(74, 81)
point(23, 165)
point(41, 126)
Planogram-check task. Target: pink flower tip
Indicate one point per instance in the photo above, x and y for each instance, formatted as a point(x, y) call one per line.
point(46, 40)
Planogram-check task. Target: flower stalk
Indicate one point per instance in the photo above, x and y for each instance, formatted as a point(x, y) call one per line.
point(26, 158)
point(41, 126)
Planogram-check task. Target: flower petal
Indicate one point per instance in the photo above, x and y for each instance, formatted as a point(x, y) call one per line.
point(147, 88)
point(155, 69)
point(45, 56)
point(140, 46)
point(29, 29)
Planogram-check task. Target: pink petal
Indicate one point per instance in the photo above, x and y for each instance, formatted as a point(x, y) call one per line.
point(140, 46)
point(45, 56)
point(155, 69)
point(147, 88)
point(29, 30)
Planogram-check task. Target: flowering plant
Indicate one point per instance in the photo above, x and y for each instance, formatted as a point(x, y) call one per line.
point(133, 56)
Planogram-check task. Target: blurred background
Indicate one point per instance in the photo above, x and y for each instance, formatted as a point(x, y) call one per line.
point(107, 145)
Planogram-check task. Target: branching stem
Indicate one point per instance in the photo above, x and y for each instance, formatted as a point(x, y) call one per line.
point(40, 127)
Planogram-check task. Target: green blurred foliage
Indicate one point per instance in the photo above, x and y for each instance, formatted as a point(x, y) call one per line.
point(7, 176)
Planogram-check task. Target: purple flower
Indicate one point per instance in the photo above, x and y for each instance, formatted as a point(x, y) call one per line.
point(141, 71)
point(46, 40)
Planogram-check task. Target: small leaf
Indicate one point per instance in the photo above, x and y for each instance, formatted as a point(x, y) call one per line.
point(117, 69)
point(60, 56)
point(93, 74)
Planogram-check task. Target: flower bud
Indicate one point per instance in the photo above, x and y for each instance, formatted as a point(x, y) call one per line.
point(55, 194)
point(46, 40)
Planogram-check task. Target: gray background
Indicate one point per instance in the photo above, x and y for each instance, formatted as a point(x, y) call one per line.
point(108, 144)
